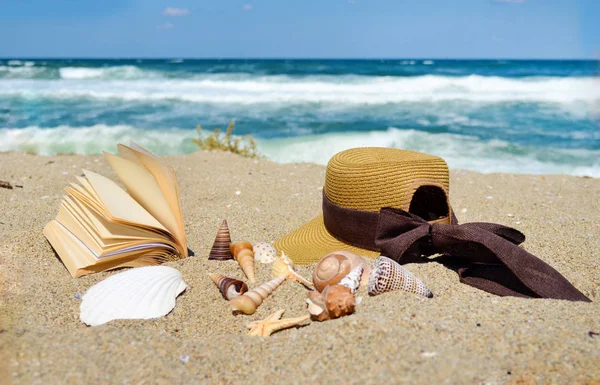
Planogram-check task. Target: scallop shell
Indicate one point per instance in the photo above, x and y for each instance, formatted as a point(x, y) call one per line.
point(264, 252)
point(352, 280)
point(284, 266)
point(248, 302)
point(229, 287)
point(334, 302)
point(388, 275)
point(243, 254)
point(333, 267)
point(140, 293)
point(220, 250)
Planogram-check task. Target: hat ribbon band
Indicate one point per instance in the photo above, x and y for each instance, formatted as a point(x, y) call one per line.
point(485, 255)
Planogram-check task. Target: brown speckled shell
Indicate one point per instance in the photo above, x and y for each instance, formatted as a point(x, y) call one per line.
point(388, 275)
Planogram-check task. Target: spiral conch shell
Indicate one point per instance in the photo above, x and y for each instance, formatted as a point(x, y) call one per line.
point(243, 254)
point(335, 301)
point(229, 287)
point(334, 266)
point(352, 280)
point(264, 252)
point(248, 302)
point(284, 266)
point(388, 275)
point(220, 249)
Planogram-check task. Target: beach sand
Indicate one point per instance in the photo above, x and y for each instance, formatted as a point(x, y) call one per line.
point(462, 335)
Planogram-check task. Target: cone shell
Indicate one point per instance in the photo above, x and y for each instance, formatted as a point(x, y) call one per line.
point(248, 302)
point(334, 302)
point(264, 252)
point(229, 287)
point(388, 275)
point(285, 266)
point(333, 267)
point(220, 249)
point(243, 254)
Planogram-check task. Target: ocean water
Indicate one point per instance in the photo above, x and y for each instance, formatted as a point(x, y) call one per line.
point(483, 115)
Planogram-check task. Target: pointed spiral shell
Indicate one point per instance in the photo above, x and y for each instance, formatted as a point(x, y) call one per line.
point(388, 275)
point(229, 287)
point(352, 280)
point(220, 249)
point(243, 254)
point(251, 300)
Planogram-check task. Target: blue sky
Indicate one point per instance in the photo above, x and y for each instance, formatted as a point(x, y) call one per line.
point(301, 28)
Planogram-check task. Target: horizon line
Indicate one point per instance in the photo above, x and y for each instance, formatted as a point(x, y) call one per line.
point(277, 58)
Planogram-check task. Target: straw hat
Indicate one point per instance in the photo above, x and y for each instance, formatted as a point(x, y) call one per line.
point(368, 179)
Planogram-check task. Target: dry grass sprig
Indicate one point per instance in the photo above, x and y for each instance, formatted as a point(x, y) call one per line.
point(241, 145)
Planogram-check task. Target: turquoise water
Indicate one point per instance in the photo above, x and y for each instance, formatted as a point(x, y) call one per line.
point(483, 115)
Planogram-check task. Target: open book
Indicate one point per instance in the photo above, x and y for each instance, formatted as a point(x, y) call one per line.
point(99, 226)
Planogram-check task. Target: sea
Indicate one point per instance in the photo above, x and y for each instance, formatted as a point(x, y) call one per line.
point(517, 116)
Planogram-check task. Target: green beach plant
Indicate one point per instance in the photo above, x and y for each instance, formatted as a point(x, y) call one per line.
point(241, 145)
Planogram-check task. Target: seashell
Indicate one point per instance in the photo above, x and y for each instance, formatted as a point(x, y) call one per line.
point(243, 254)
point(248, 302)
point(229, 287)
point(220, 250)
point(352, 280)
point(284, 266)
point(264, 252)
point(388, 275)
point(140, 293)
point(334, 302)
point(333, 267)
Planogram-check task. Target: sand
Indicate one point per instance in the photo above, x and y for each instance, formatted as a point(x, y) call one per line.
point(462, 335)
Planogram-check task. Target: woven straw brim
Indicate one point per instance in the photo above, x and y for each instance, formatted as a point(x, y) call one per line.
point(311, 242)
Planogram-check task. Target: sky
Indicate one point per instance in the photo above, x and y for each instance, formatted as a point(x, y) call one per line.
point(521, 29)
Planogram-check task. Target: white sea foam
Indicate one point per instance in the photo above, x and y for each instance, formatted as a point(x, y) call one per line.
point(118, 72)
point(460, 151)
point(243, 89)
point(94, 139)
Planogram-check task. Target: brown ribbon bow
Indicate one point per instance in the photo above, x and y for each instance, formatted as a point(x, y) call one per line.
point(486, 255)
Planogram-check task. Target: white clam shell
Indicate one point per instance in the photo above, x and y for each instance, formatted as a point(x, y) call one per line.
point(264, 252)
point(140, 293)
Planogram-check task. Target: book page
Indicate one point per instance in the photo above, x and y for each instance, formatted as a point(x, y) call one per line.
point(144, 188)
point(165, 176)
point(118, 203)
point(73, 253)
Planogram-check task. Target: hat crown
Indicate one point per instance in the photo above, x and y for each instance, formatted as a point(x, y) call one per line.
point(369, 178)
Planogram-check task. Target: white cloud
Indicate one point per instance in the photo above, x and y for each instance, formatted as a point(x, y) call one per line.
point(176, 12)
point(248, 7)
point(165, 26)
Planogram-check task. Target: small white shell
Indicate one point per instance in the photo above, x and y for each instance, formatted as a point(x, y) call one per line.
point(352, 280)
point(140, 293)
point(264, 252)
